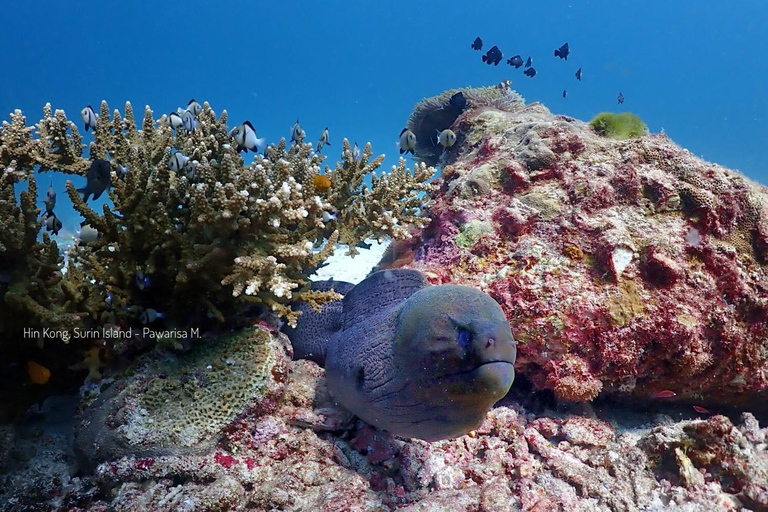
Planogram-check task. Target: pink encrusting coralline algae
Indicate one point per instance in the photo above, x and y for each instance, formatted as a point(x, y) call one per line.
point(624, 266)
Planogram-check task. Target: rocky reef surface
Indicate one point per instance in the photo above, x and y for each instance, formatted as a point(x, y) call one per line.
point(628, 266)
point(634, 277)
point(287, 449)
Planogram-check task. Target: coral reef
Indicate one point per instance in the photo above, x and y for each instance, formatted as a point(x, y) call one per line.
point(627, 267)
point(624, 125)
point(631, 272)
point(30, 270)
point(218, 233)
point(191, 236)
point(212, 230)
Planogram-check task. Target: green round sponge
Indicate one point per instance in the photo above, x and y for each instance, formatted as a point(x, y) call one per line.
point(618, 126)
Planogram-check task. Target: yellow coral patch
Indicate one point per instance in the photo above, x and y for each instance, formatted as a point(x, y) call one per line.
point(573, 252)
point(628, 304)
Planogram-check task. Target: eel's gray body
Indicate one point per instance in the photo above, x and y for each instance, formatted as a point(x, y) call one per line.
point(414, 359)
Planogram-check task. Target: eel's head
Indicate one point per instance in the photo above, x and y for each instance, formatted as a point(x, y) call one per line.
point(455, 354)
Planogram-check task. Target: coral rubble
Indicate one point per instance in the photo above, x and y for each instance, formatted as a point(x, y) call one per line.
point(268, 458)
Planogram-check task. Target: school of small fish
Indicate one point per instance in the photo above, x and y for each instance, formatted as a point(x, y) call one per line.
point(494, 56)
point(183, 121)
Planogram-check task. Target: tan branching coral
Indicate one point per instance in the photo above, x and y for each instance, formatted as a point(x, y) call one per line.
point(30, 270)
point(211, 238)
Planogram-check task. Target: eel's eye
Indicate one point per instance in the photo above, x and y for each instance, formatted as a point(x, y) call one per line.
point(464, 338)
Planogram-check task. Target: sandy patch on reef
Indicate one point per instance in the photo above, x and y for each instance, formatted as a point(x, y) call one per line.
point(347, 268)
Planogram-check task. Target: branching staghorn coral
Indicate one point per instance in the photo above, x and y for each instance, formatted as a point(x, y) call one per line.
point(217, 236)
point(32, 294)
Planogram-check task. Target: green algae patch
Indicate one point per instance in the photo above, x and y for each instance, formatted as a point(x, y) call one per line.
point(470, 232)
point(178, 406)
point(548, 207)
point(618, 126)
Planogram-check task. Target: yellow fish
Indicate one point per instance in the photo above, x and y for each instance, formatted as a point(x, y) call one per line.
point(38, 373)
point(321, 182)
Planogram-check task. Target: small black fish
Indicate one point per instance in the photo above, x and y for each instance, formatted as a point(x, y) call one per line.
point(531, 72)
point(563, 52)
point(99, 179)
point(564, 93)
point(620, 98)
point(516, 61)
point(477, 44)
point(578, 74)
point(528, 62)
point(493, 56)
point(52, 223)
point(458, 101)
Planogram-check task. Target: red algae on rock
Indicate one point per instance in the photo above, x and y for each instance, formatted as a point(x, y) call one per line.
point(623, 266)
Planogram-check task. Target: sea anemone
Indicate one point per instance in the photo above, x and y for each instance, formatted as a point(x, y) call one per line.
point(433, 115)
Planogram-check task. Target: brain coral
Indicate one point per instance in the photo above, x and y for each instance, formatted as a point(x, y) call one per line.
point(179, 406)
point(623, 265)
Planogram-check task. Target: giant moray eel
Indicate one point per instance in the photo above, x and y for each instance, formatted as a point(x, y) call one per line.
point(408, 357)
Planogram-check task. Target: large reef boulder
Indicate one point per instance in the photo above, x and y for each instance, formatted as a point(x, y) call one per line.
point(625, 266)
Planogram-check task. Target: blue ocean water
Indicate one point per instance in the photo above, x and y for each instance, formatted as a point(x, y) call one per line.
point(693, 69)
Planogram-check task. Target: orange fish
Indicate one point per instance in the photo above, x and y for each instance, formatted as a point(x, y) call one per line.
point(38, 373)
point(665, 393)
point(700, 409)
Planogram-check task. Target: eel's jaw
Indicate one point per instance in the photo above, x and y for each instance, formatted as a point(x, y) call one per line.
point(496, 376)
